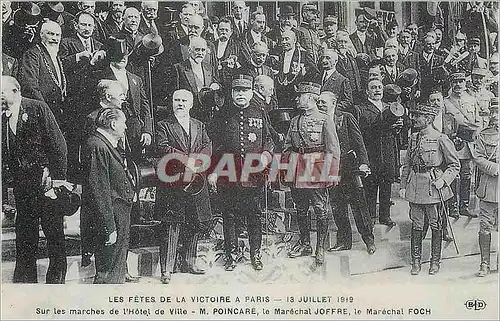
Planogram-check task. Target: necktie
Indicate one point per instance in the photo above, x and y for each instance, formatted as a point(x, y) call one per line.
point(241, 26)
point(88, 46)
point(325, 76)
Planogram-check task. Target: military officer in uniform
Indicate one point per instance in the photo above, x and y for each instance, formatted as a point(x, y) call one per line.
point(462, 119)
point(486, 159)
point(241, 130)
point(312, 135)
point(353, 158)
point(429, 168)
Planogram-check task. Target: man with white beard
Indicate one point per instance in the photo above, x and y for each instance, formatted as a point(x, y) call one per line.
point(41, 74)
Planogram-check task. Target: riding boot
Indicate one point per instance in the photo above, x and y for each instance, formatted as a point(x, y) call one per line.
point(485, 248)
point(416, 251)
point(303, 247)
point(322, 230)
point(436, 243)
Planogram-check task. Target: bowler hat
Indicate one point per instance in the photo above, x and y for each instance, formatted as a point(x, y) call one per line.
point(407, 78)
point(286, 11)
point(474, 41)
point(66, 202)
point(116, 49)
point(56, 6)
point(308, 87)
point(369, 13)
point(243, 81)
point(28, 14)
point(150, 45)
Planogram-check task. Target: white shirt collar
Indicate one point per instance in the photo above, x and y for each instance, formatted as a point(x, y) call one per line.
point(112, 140)
point(83, 40)
point(361, 35)
point(256, 36)
point(379, 104)
point(184, 122)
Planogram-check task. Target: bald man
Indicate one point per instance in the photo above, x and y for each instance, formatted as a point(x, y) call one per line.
point(41, 74)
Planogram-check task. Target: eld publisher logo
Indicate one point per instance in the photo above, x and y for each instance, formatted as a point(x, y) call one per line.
point(475, 304)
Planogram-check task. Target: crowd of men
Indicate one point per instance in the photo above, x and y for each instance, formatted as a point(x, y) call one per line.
point(104, 91)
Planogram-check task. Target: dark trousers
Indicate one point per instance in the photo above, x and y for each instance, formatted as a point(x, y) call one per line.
point(375, 183)
point(111, 260)
point(340, 197)
point(461, 185)
point(173, 234)
point(31, 210)
point(242, 201)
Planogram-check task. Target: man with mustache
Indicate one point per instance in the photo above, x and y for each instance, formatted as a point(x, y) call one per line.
point(380, 141)
point(113, 22)
point(228, 49)
point(34, 158)
point(307, 34)
point(78, 54)
point(430, 166)
point(184, 216)
point(148, 16)
point(42, 75)
point(239, 25)
point(197, 76)
point(257, 64)
point(255, 34)
point(241, 129)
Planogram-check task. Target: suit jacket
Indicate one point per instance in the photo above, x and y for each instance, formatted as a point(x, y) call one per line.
point(172, 203)
point(174, 32)
point(107, 196)
point(431, 74)
point(38, 143)
point(9, 65)
point(38, 80)
point(380, 142)
point(367, 48)
point(236, 31)
point(184, 78)
point(77, 73)
point(387, 78)
point(249, 69)
point(350, 138)
point(337, 84)
point(348, 67)
point(410, 60)
point(247, 43)
point(137, 110)
point(110, 27)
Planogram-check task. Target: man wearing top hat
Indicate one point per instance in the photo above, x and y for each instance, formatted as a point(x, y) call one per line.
point(286, 22)
point(137, 110)
point(185, 213)
point(307, 34)
point(429, 168)
point(241, 130)
point(461, 123)
point(487, 159)
point(478, 90)
point(42, 75)
point(312, 137)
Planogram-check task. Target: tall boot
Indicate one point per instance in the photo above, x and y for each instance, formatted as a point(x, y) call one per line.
point(416, 251)
point(191, 255)
point(436, 242)
point(322, 230)
point(168, 252)
point(465, 198)
point(484, 247)
point(303, 247)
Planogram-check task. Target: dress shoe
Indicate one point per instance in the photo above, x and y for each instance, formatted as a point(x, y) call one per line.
point(339, 247)
point(370, 248)
point(388, 222)
point(131, 279)
point(257, 264)
point(300, 249)
point(447, 237)
point(229, 266)
point(165, 278)
point(192, 270)
point(464, 211)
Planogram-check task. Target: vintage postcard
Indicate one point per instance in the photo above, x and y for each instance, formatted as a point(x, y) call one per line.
point(249, 160)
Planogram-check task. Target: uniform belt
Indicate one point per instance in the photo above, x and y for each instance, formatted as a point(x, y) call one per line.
point(422, 169)
point(305, 150)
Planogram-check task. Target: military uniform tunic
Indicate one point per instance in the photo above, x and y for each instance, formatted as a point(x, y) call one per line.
point(487, 159)
point(431, 155)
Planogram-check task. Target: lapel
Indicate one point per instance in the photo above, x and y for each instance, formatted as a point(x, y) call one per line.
point(178, 133)
point(207, 73)
point(20, 121)
point(193, 132)
point(370, 106)
point(330, 79)
point(116, 155)
point(188, 70)
point(49, 60)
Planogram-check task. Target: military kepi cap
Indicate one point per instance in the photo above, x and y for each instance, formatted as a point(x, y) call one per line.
point(474, 41)
point(242, 81)
point(494, 104)
point(457, 76)
point(309, 87)
point(426, 109)
point(480, 72)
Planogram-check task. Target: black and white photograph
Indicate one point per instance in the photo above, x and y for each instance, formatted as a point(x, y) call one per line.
point(249, 160)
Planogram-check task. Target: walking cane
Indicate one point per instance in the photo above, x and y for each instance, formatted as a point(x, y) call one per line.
point(445, 210)
point(266, 176)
